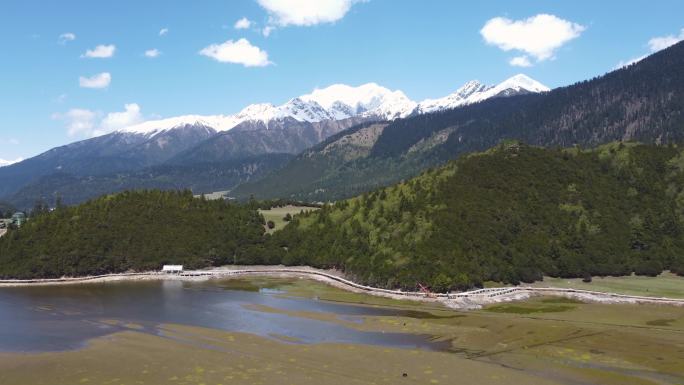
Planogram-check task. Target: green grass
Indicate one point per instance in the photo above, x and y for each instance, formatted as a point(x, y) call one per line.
point(276, 214)
point(665, 285)
point(529, 309)
point(624, 344)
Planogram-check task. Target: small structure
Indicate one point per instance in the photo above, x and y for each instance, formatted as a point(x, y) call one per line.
point(172, 269)
point(18, 219)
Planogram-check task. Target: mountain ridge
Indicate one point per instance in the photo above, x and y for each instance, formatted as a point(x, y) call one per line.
point(341, 101)
point(642, 102)
point(256, 130)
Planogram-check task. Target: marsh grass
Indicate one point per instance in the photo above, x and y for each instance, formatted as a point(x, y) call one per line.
point(529, 309)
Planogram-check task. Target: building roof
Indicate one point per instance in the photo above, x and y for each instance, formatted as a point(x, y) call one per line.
point(172, 268)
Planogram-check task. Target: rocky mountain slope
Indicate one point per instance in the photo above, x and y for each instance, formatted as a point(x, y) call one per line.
point(216, 140)
point(642, 102)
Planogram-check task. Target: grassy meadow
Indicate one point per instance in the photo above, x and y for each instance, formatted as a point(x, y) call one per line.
point(276, 214)
point(664, 285)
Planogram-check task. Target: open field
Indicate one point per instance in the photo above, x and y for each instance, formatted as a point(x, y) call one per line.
point(276, 214)
point(545, 340)
point(665, 285)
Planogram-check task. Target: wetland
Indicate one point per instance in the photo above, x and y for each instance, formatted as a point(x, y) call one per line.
point(298, 331)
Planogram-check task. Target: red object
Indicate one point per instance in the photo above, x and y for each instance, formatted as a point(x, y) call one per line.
point(425, 290)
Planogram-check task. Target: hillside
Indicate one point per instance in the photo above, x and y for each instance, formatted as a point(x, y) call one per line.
point(643, 102)
point(6, 209)
point(133, 230)
point(511, 214)
point(107, 154)
point(198, 177)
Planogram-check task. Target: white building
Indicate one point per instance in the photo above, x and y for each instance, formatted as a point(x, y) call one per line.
point(172, 269)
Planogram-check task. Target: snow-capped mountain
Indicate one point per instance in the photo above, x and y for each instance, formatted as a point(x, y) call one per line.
point(257, 130)
point(474, 91)
point(370, 99)
point(340, 101)
point(4, 162)
point(336, 102)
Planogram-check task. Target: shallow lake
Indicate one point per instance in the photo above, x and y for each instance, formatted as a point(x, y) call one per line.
point(53, 318)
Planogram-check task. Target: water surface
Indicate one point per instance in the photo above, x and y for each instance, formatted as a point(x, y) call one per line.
point(53, 318)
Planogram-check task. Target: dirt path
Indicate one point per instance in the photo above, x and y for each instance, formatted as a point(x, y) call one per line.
point(464, 300)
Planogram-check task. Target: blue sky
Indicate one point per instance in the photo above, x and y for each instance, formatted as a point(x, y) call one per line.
point(424, 48)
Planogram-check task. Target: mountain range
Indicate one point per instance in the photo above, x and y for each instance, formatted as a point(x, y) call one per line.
point(218, 152)
point(641, 102)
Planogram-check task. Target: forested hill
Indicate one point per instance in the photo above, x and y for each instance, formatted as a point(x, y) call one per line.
point(511, 214)
point(133, 230)
point(642, 102)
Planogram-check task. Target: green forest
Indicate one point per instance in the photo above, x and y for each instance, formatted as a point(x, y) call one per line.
point(131, 231)
point(512, 214)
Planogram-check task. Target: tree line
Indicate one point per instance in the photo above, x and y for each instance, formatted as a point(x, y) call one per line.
point(512, 214)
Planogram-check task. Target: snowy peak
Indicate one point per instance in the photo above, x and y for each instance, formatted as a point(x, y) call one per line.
point(516, 85)
point(361, 98)
point(153, 127)
point(305, 111)
point(4, 162)
point(459, 98)
point(470, 88)
point(369, 99)
point(474, 91)
point(523, 82)
point(340, 101)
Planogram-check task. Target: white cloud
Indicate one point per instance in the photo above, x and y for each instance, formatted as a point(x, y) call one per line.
point(117, 120)
point(100, 52)
point(283, 13)
point(661, 42)
point(163, 31)
point(655, 44)
point(152, 53)
point(4, 162)
point(87, 123)
point(538, 36)
point(66, 37)
point(238, 52)
point(101, 80)
point(267, 30)
point(79, 121)
point(243, 23)
point(520, 61)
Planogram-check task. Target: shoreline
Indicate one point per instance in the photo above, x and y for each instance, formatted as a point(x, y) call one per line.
point(474, 299)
